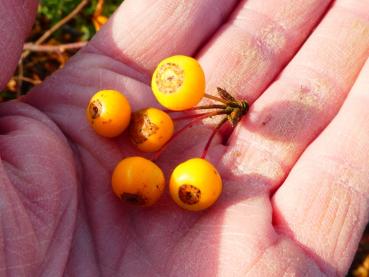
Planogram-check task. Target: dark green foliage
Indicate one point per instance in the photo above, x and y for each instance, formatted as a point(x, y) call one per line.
point(51, 11)
point(54, 10)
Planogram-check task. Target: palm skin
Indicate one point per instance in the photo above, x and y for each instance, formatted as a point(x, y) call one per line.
point(59, 215)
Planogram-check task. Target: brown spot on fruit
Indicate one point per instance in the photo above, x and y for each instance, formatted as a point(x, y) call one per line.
point(169, 77)
point(141, 127)
point(95, 109)
point(189, 194)
point(133, 198)
point(107, 121)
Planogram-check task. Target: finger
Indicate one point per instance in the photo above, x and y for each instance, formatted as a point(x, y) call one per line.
point(304, 99)
point(249, 51)
point(142, 33)
point(38, 193)
point(16, 18)
point(324, 202)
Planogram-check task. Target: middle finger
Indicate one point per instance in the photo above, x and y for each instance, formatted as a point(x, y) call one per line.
point(258, 40)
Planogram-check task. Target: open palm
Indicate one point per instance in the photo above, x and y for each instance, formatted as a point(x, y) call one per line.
point(294, 61)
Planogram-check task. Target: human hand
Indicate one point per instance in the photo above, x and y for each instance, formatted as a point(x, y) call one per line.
point(59, 215)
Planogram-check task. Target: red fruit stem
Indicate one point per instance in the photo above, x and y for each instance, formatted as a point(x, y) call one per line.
point(181, 130)
point(205, 107)
point(216, 129)
point(212, 97)
point(208, 107)
point(190, 116)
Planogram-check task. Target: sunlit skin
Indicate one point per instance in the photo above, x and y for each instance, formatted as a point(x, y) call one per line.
point(295, 171)
point(195, 184)
point(138, 181)
point(178, 82)
point(150, 129)
point(109, 113)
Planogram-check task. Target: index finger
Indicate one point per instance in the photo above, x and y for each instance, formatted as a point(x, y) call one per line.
point(142, 33)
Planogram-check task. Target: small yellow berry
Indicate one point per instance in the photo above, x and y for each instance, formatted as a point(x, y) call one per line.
point(138, 181)
point(150, 129)
point(195, 184)
point(178, 83)
point(109, 113)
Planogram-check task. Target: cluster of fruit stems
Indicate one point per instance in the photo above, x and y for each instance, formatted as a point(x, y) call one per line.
point(220, 109)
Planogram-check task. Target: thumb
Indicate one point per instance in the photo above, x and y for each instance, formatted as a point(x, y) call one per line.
point(16, 19)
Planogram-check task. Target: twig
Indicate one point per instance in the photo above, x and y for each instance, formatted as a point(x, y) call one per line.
point(28, 80)
point(20, 79)
point(98, 19)
point(99, 8)
point(32, 47)
point(63, 21)
point(57, 25)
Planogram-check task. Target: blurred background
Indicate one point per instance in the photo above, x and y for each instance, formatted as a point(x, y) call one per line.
point(62, 27)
